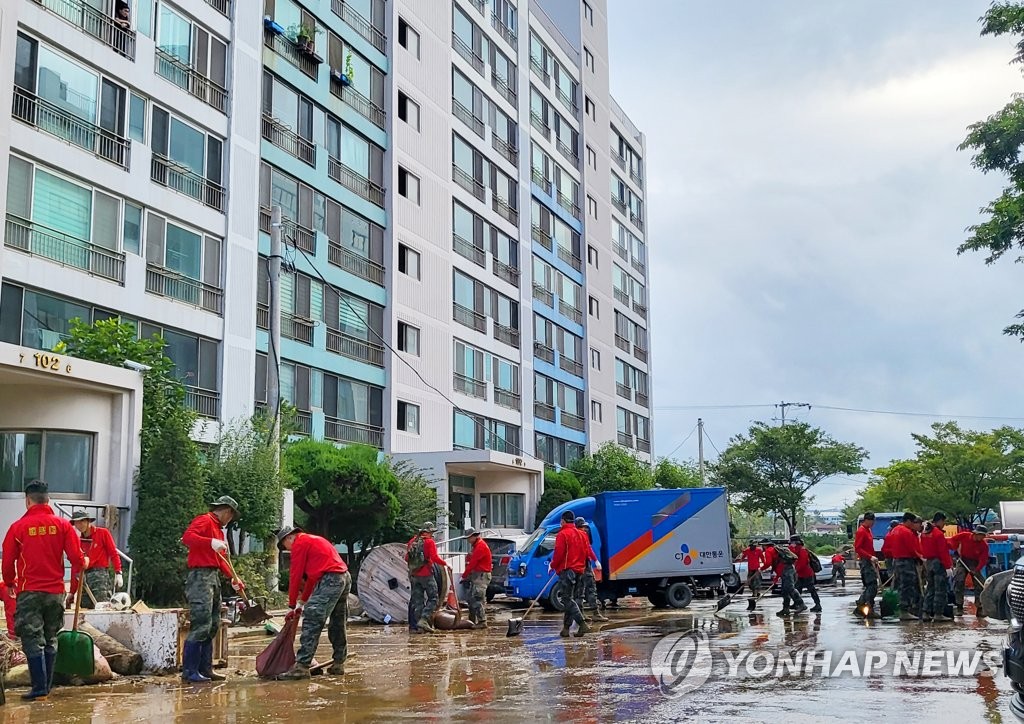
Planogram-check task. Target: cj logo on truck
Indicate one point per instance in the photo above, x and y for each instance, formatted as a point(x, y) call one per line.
point(687, 554)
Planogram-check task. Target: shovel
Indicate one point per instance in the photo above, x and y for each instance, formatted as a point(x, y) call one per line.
point(515, 625)
point(752, 602)
point(74, 647)
point(253, 613)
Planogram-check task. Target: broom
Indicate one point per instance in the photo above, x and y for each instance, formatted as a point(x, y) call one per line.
point(515, 625)
point(74, 647)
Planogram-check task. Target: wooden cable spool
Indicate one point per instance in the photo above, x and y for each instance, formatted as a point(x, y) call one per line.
point(384, 583)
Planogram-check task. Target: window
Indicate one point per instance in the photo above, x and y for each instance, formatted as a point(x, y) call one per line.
point(595, 308)
point(408, 185)
point(591, 109)
point(592, 256)
point(589, 59)
point(408, 111)
point(505, 510)
point(595, 411)
point(185, 252)
point(472, 432)
point(408, 338)
point(196, 151)
point(408, 261)
point(588, 12)
point(408, 38)
point(189, 46)
point(137, 118)
point(595, 359)
point(408, 417)
point(592, 206)
point(591, 158)
point(196, 360)
point(62, 459)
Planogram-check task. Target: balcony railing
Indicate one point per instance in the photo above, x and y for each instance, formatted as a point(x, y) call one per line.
point(507, 33)
point(567, 101)
point(621, 296)
point(66, 126)
point(181, 178)
point(166, 283)
point(205, 403)
point(468, 250)
point(504, 210)
point(537, 66)
point(569, 258)
point(362, 267)
point(506, 272)
point(543, 296)
point(622, 343)
point(637, 221)
point(573, 422)
point(221, 6)
point(469, 386)
point(502, 86)
point(640, 309)
point(466, 116)
point(467, 53)
point(640, 353)
point(643, 445)
point(542, 237)
point(639, 265)
point(353, 432)
point(621, 251)
point(354, 348)
point(570, 311)
point(504, 398)
point(635, 175)
point(569, 205)
point(39, 240)
point(92, 22)
point(543, 411)
point(297, 328)
point(642, 399)
point(538, 178)
point(468, 317)
point(303, 423)
point(571, 366)
point(619, 160)
point(360, 104)
point(360, 24)
point(302, 237)
point(569, 153)
point(541, 125)
point(262, 316)
point(625, 439)
point(505, 149)
point(478, 4)
point(620, 205)
point(508, 335)
point(467, 182)
point(355, 182)
point(290, 52)
point(543, 352)
point(623, 391)
point(191, 80)
point(287, 140)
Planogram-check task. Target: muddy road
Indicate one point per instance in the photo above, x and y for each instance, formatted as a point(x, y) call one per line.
point(605, 676)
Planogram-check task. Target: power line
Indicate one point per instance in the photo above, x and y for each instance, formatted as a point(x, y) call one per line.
point(835, 408)
point(676, 448)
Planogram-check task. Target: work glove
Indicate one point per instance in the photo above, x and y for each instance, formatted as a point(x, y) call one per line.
point(69, 601)
point(597, 565)
point(236, 583)
point(218, 545)
point(118, 581)
point(294, 612)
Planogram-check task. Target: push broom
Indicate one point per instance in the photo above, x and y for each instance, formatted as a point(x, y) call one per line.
point(515, 625)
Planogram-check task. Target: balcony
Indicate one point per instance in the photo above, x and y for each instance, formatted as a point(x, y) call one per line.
point(506, 272)
point(637, 221)
point(508, 335)
point(569, 153)
point(479, 5)
point(623, 391)
point(205, 403)
point(537, 66)
point(470, 386)
point(619, 160)
point(542, 352)
point(634, 173)
point(502, 86)
point(166, 283)
point(570, 311)
point(182, 179)
point(262, 316)
point(509, 400)
point(468, 250)
point(510, 153)
point(621, 251)
point(570, 258)
point(543, 411)
point(622, 343)
point(191, 81)
point(569, 205)
point(360, 104)
point(358, 433)
point(351, 262)
point(282, 136)
point(573, 422)
point(570, 365)
point(469, 183)
point(643, 445)
point(540, 124)
point(355, 182)
point(468, 317)
point(467, 53)
point(297, 328)
point(360, 24)
point(640, 309)
point(639, 265)
point(355, 348)
point(95, 23)
point(60, 123)
point(507, 33)
point(537, 176)
point(221, 6)
point(543, 296)
point(620, 205)
point(466, 116)
point(642, 399)
point(542, 237)
point(567, 101)
point(625, 439)
point(289, 50)
point(37, 240)
point(302, 237)
point(639, 353)
point(504, 210)
point(303, 423)
point(621, 296)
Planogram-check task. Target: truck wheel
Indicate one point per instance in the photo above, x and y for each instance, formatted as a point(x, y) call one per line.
point(557, 597)
point(732, 581)
point(490, 596)
point(679, 595)
point(658, 599)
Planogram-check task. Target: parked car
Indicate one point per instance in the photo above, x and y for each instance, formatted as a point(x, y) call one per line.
point(502, 550)
point(822, 576)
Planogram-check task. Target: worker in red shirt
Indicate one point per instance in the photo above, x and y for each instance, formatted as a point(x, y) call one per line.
point(754, 557)
point(421, 557)
point(864, 549)
point(938, 569)
point(905, 548)
point(569, 561)
point(318, 588)
point(839, 567)
point(207, 548)
point(890, 565)
point(477, 574)
point(34, 548)
point(804, 572)
point(99, 545)
point(771, 557)
point(973, 553)
point(588, 589)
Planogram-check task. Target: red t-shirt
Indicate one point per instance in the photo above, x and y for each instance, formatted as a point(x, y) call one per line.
point(100, 547)
point(935, 547)
point(803, 562)
point(572, 550)
point(312, 557)
point(903, 543)
point(37, 542)
point(864, 543)
point(771, 559)
point(837, 559)
point(197, 537)
point(430, 554)
point(479, 559)
point(970, 549)
point(754, 558)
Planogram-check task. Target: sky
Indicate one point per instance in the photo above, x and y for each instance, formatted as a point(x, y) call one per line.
point(805, 203)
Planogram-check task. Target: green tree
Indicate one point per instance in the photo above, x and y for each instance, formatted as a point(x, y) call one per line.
point(672, 474)
point(417, 502)
point(772, 469)
point(996, 143)
point(550, 500)
point(612, 467)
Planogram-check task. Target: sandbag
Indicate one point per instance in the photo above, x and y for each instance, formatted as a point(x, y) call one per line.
point(122, 660)
point(279, 656)
point(993, 596)
point(18, 676)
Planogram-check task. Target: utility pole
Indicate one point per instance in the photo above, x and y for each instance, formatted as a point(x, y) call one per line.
point(700, 450)
point(274, 364)
point(783, 405)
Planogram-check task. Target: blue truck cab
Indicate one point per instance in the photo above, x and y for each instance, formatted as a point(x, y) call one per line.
point(664, 544)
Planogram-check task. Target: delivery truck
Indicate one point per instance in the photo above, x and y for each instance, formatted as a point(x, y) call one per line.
point(665, 544)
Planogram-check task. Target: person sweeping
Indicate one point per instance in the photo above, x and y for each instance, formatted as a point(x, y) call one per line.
point(38, 542)
point(99, 545)
point(324, 595)
point(207, 547)
point(477, 574)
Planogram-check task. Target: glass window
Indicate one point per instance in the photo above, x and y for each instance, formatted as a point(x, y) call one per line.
point(408, 261)
point(408, 417)
point(67, 85)
point(284, 192)
point(174, 35)
point(62, 459)
point(183, 251)
point(47, 320)
point(137, 119)
point(62, 205)
point(464, 291)
point(187, 146)
point(20, 460)
point(353, 401)
point(355, 152)
point(462, 222)
point(465, 431)
point(408, 338)
point(354, 313)
point(355, 233)
point(408, 38)
point(183, 350)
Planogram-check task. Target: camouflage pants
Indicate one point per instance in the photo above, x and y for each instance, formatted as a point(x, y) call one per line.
point(38, 618)
point(868, 577)
point(588, 589)
point(960, 581)
point(936, 587)
point(571, 584)
point(423, 597)
point(789, 590)
point(908, 584)
point(478, 583)
point(329, 600)
point(100, 583)
point(202, 591)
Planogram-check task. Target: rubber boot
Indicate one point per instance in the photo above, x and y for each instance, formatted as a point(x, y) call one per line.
point(583, 628)
point(206, 662)
point(784, 612)
point(337, 668)
point(40, 679)
point(816, 608)
point(598, 616)
point(190, 662)
point(297, 672)
point(50, 657)
point(425, 626)
point(564, 633)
